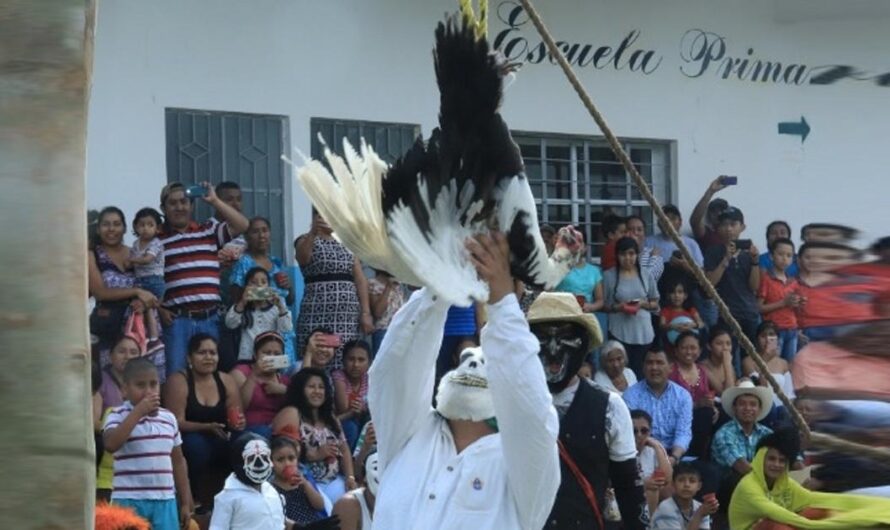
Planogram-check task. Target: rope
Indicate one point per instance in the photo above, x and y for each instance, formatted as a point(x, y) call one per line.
point(815, 438)
point(479, 25)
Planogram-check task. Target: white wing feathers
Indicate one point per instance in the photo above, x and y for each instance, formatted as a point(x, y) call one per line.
point(515, 197)
point(441, 262)
point(349, 200)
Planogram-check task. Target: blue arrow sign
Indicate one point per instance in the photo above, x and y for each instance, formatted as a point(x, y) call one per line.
point(801, 128)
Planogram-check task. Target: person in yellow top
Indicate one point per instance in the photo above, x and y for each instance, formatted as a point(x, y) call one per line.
point(767, 498)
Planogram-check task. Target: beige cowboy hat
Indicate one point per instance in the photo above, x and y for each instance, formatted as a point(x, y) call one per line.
point(763, 393)
point(563, 307)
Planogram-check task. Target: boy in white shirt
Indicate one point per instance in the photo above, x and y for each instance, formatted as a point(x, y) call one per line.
point(150, 471)
point(682, 511)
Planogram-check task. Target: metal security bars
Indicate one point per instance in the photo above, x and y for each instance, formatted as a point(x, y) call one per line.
point(578, 180)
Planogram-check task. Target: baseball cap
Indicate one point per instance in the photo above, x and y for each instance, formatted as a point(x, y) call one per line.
point(718, 204)
point(732, 214)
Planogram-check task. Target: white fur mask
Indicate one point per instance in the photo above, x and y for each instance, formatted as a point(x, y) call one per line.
point(257, 461)
point(463, 392)
point(372, 473)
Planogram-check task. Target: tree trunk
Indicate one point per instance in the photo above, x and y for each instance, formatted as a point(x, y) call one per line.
point(47, 461)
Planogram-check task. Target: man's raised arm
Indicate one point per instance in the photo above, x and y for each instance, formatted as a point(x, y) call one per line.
point(523, 406)
point(402, 376)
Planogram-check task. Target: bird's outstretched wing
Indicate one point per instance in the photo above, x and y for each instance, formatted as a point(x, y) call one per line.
point(467, 178)
point(350, 201)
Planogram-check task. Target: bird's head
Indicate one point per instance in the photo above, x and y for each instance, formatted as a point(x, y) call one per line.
point(569, 244)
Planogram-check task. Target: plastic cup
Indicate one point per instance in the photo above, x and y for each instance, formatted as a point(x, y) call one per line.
point(234, 416)
point(658, 475)
point(291, 474)
point(581, 300)
point(280, 277)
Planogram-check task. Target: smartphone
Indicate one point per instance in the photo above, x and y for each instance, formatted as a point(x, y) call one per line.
point(331, 341)
point(278, 362)
point(260, 293)
point(728, 180)
point(193, 192)
point(743, 244)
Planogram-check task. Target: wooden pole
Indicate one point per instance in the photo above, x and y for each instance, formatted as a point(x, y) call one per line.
point(47, 456)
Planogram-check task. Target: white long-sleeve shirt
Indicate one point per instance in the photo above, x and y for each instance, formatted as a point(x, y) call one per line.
point(240, 507)
point(502, 481)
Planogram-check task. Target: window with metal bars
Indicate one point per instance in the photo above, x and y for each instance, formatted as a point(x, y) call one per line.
point(577, 180)
point(243, 148)
point(389, 140)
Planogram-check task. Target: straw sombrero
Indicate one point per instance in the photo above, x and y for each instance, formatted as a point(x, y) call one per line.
point(563, 307)
point(763, 393)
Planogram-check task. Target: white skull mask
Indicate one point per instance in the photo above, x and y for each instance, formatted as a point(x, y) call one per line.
point(372, 473)
point(257, 461)
point(463, 392)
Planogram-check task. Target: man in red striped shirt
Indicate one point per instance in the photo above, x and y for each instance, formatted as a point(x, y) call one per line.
point(191, 267)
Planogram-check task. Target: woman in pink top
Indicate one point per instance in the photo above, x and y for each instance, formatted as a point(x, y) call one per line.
point(694, 379)
point(262, 388)
point(351, 389)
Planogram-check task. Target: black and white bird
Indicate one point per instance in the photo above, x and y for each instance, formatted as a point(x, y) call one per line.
point(412, 218)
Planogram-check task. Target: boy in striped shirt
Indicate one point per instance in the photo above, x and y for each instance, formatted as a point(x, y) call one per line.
point(149, 468)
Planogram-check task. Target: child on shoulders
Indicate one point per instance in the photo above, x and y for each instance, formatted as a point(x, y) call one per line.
point(147, 252)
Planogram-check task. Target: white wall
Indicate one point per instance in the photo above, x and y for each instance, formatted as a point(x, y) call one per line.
point(371, 60)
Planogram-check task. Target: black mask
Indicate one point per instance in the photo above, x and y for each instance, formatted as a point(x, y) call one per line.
point(562, 351)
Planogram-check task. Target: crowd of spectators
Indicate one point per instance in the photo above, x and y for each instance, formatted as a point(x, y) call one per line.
point(242, 342)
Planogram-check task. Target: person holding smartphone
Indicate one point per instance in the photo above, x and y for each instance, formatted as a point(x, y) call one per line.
point(261, 309)
point(631, 297)
point(261, 385)
point(705, 216)
point(733, 269)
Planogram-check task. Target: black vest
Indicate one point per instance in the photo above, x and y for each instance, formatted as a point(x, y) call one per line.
point(583, 433)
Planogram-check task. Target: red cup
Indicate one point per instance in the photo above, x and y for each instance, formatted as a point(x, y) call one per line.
point(658, 475)
point(709, 498)
point(631, 308)
point(292, 475)
point(280, 277)
point(581, 300)
point(235, 417)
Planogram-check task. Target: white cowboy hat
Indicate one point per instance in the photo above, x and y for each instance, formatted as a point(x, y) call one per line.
point(763, 393)
point(563, 307)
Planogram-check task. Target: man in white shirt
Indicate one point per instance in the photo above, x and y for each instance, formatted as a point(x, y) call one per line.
point(596, 432)
point(487, 457)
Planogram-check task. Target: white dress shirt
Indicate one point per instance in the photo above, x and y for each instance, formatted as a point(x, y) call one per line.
point(240, 507)
point(619, 427)
point(503, 481)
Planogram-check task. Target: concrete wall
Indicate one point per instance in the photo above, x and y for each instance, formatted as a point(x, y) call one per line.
point(371, 61)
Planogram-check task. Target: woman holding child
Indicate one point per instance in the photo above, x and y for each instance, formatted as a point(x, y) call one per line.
point(111, 281)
